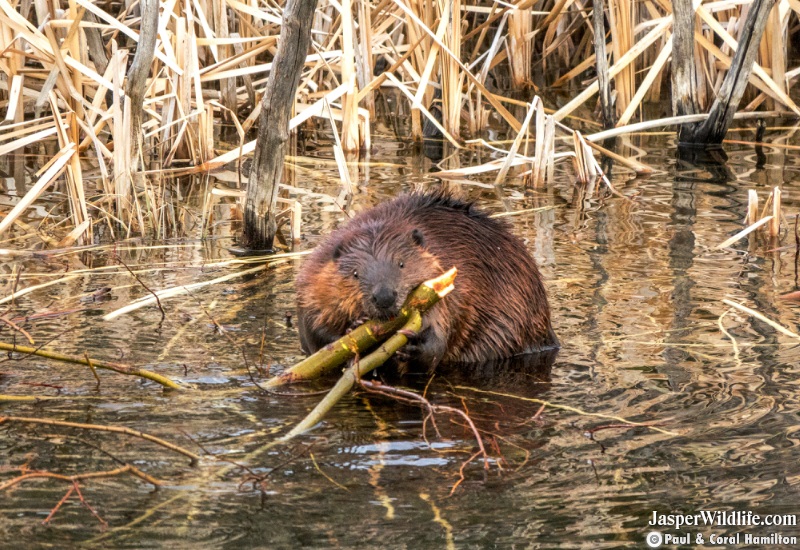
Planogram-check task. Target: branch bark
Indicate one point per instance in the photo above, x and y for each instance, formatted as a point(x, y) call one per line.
point(137, 74)
point(714, 128)
point(273, 124)
point(94, 42)
point(684, 91)
point(684, 95)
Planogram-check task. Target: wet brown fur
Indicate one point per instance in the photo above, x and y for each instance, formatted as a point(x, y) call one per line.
point(499, 306)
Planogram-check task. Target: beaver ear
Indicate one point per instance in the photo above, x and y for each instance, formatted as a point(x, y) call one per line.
point(418, 238)
point(338, 251)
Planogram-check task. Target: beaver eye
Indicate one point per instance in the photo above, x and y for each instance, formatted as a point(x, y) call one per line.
point(402, 265)
point(355, 274)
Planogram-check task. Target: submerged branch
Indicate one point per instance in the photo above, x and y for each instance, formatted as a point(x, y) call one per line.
point(411, 397)
point(101, 428)
point(116, 367)
point(569, 409)
point(81, 477)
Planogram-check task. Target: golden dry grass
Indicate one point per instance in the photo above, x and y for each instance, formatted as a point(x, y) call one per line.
point(213, 56)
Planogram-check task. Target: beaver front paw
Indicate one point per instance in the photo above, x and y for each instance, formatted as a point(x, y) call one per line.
point(409, 353)
point(412, 349)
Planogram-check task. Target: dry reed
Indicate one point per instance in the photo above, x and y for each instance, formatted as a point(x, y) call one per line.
point(456, 63)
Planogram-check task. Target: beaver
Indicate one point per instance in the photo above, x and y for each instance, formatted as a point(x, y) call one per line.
point(366, 269)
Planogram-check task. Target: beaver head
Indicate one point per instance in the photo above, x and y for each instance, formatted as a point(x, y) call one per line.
point(387, 261)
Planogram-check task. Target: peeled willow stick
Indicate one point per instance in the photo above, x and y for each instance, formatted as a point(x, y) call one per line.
point(367, 335)
point(93, 363)
point(359, 369)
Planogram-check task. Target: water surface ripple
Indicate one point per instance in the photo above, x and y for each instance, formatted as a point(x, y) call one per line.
point(636, 288)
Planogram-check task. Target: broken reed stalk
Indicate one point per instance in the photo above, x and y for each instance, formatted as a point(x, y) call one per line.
point(752, 207)
point(354, 373)
point(179, 290)
point(452, 79)
point(56, 166)
point(544, 150)
point(194, 60)
point(583, 161)
point(534, 109)
point(601, 63)
point(760, 317)
point(520, 42)
point(744, 232)
point(350, 137)
point(106, 365)
point(367, 335)
point(775, 222)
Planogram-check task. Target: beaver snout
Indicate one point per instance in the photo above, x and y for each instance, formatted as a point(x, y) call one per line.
point(384, 298)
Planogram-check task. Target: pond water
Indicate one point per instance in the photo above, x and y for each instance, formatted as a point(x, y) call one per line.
point(636, 285)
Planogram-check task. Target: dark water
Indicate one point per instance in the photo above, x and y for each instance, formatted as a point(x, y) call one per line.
point(636, 287)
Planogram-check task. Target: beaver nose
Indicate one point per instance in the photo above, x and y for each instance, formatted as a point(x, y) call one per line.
point(384, 297)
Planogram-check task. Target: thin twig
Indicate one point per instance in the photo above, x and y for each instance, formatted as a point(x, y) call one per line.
point(232, 342)
point(147, 288)
point(567, 408)
point(55, 509)
point(103, 522)
point(78, 477)
point(410, 396)
point(17, 328)
point(326, 476)
point(729, 335)
point(98, 427)
point(91, 366)
point(761, 317)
